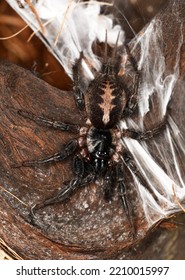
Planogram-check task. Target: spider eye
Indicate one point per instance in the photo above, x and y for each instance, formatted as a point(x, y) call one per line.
point(101, 153)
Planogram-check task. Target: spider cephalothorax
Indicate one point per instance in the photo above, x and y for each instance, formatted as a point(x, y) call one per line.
point(98, 152)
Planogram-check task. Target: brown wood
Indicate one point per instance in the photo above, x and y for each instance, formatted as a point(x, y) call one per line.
point(85, 226)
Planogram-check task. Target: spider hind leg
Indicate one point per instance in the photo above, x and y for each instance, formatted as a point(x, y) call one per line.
point(123, 195)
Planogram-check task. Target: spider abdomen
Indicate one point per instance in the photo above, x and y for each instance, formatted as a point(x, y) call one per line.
point(105, 101)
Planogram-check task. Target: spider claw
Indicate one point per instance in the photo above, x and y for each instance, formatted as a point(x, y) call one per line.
point(33, 208)
point(16, 165)
point(132, 228)
point(32, 213)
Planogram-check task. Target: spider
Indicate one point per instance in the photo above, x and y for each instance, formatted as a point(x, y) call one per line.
point(98, 154)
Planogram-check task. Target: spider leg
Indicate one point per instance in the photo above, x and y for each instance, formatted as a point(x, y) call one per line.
point(108, 188)
point(59, 197)
point(78, 94)
point(132, 60)
point(68, 150)
point(49, 123)
point(130, 163)
point(123, 195)
point(133, 99)
point(108, 182)
point(138, 135)
point(133, 96)
point(67, 190)
point(90, 171)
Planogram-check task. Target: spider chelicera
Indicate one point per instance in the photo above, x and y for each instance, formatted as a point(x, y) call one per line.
point(99, 155)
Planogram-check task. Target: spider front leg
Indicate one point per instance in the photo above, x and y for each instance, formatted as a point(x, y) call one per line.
point(109, 181)
point(108, 184)
point(68, 190)
point(120, 180)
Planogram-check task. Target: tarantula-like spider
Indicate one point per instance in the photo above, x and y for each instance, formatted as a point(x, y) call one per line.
point(98, 152)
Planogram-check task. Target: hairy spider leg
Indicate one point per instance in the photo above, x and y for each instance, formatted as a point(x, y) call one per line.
point(68, 150)
point(49, 123)
point(131, 165)
point(78, 94)
point(67, 190)
point(120, 180)
point(133, 93)
point(148, 134)
point(108, 184)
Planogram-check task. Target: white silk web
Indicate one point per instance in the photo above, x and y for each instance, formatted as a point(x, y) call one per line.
point(165, 179)
point(70, 26)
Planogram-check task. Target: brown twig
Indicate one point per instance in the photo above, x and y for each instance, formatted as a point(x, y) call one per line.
point(15, 34)
point(32, 8)
point(177, 200)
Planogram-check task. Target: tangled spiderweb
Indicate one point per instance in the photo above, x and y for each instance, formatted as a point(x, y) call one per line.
point(78, 33)
point(157, 85)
